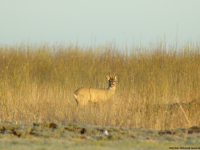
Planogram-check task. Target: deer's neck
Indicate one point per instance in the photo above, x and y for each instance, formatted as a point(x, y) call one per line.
point(111, 88)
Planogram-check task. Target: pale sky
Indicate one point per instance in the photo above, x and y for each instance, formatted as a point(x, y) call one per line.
point(89, 22)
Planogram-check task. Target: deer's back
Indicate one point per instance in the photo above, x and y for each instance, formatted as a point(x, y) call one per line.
point(85, 95)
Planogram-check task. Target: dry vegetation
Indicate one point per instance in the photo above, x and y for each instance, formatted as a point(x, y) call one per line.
point(37, 84)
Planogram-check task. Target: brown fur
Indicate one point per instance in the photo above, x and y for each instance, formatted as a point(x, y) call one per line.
point(85, 95)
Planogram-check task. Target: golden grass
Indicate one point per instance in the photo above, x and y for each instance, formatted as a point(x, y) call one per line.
point(37, 84)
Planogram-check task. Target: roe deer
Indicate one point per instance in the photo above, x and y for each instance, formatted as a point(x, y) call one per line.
point(85, 95)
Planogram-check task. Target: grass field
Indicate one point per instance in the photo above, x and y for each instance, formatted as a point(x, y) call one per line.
point(38, 81)
point(33, 135)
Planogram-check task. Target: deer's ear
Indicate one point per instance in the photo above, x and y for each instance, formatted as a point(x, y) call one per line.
point(116, 77)
point(108, 77)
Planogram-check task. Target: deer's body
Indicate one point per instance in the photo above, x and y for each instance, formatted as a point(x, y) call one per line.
point(85, 95)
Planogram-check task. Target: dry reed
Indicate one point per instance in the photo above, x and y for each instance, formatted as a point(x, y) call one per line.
point(37, 84)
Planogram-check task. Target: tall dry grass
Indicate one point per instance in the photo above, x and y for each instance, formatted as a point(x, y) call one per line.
point(38, 81)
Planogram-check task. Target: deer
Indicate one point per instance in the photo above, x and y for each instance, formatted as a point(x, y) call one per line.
point(84, 95)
